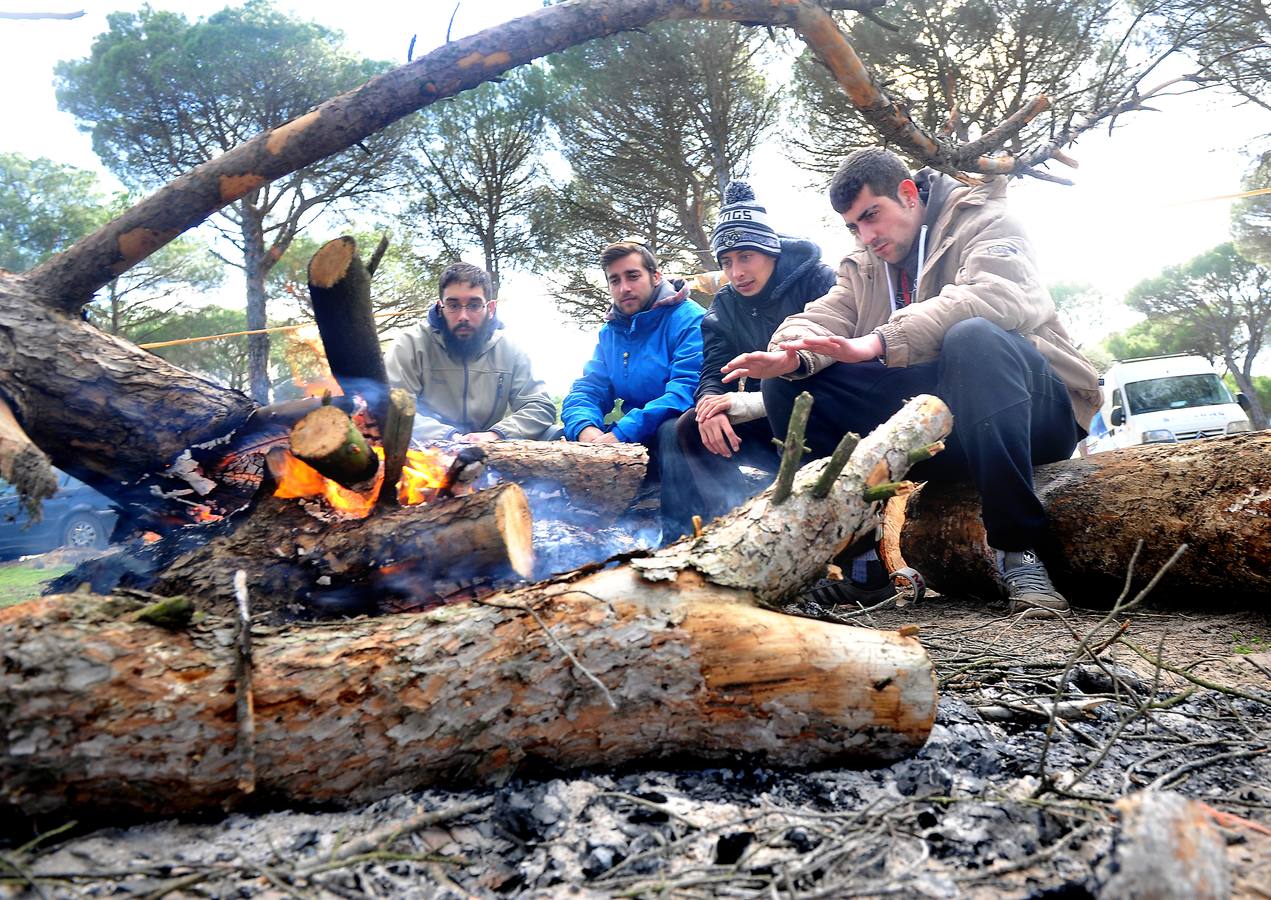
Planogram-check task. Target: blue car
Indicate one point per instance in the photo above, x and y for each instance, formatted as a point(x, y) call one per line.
point(76, 516)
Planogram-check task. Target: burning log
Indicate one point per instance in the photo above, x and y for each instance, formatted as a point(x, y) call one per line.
point(340, 289)
point(668, 658)
point(415, 554)
point(398, 422)
point(328, 441)
point(1213, 495)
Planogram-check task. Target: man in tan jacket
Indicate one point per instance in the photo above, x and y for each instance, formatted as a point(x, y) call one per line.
point(942, 297)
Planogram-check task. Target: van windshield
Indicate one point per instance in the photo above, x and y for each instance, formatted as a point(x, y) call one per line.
point(1176, 392)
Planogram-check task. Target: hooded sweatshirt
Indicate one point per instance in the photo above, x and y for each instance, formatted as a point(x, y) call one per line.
point(736, 324)
point(489, 389)
point(977, 263)
point(650, 361)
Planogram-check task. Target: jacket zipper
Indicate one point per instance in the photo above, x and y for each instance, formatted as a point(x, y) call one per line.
point(466, 424)
point(498, 394)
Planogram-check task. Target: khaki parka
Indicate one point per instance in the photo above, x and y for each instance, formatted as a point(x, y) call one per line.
point(978, 264)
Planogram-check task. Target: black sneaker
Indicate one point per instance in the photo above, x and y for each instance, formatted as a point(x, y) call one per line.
point(1028, 586)
point(866, 583)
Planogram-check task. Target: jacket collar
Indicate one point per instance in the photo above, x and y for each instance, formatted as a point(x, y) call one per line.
point(671, 292)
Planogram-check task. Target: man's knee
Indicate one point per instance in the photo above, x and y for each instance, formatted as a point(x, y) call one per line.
point(687, 435)
point(778, 397)
point(971, 337)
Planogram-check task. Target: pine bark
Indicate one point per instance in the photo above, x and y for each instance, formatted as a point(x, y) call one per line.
point(668, 656)
point(108, 718)
point(101, 408)
point(1213, 495)
point(596, 480)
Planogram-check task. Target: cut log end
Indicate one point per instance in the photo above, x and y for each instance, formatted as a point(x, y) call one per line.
point(328, 440)
point(329, 265)
point(513, 520)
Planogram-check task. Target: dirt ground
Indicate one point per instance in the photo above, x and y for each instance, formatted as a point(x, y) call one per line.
point(1043, 726)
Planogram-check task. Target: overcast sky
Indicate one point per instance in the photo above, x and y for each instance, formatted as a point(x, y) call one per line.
point(1130, 214)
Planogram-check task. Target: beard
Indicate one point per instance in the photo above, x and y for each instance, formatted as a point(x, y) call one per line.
point(470, 345)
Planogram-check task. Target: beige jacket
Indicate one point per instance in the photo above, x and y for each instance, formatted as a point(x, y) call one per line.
point(978, 264)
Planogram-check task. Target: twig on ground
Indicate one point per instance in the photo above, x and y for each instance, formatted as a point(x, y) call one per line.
point(384, 837)
point(244, 702)
point(1194, 679)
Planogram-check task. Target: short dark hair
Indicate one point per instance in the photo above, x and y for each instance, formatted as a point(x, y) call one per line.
point(880, 170)
point(468, 274)
point(617, 251)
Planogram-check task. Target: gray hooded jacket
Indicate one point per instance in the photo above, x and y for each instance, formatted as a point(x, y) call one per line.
point(494, 390)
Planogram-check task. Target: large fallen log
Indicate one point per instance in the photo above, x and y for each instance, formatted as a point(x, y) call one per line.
point(1213, 495)
point(660, 660)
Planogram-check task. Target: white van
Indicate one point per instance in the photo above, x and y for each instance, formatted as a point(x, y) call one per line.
point(1162, 399)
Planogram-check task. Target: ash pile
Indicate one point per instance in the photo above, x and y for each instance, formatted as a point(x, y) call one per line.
point(1087, 758)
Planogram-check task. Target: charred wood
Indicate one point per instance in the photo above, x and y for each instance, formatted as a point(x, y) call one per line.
point(340, 288)
point(303, 566)
point(398, 423)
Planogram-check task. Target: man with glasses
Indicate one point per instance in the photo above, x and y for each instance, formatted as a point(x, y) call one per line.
point(470, 381)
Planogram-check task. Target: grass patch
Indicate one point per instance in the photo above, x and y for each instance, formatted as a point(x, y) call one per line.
point(22, 581)
point(1246, 644)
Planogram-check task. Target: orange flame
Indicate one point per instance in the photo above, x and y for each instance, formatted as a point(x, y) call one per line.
point(203, 513)
point(423, 473)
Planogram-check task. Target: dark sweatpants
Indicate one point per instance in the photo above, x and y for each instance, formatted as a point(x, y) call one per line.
point(699, 482)
point(1010, 411)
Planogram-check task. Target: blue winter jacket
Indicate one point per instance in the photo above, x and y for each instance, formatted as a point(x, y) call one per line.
point(650, 361)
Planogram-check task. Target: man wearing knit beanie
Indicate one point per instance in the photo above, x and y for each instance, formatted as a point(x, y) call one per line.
point(770, 277)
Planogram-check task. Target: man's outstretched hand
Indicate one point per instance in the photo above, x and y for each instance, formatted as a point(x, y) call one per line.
point(761, 364)
point(839, 348)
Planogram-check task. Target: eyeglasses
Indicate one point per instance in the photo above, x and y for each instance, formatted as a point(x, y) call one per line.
point(467, 305)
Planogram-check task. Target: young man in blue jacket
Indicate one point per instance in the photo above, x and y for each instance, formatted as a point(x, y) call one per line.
point(769, 277)
point(649, 356)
